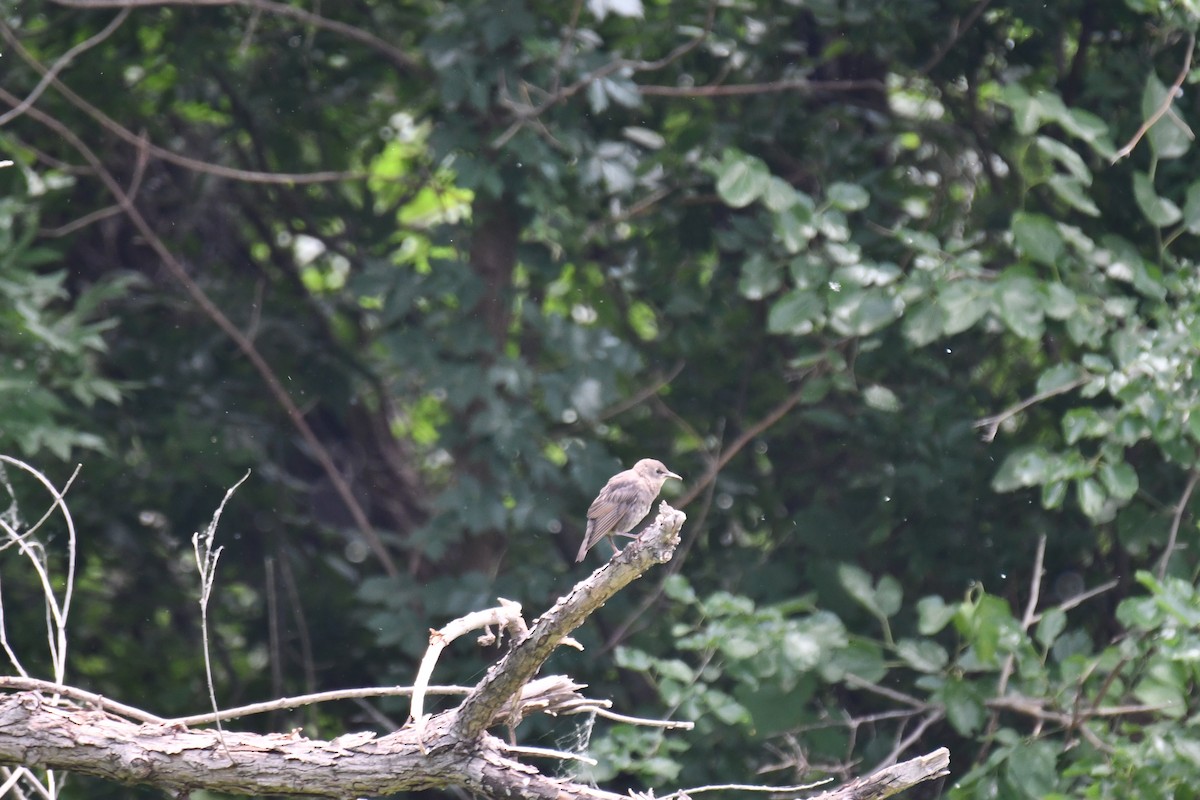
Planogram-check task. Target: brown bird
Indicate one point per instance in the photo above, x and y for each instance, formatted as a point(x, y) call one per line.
point(622, 503)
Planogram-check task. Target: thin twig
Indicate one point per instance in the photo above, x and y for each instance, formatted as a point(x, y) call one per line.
point(1163, 107)
point(900, 697)
point(1078, 599)
point(1176, 521)
point(206, 564)
point(910, 739)
point(14, 683)
point(748, 435)
point(959, 28)
point(60, 64)
point(991, 425)
point(194, 164)
point(397, 56)
point(771, 87)
point(285, 703)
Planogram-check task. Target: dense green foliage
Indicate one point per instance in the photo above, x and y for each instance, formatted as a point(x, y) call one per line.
point(805, 253)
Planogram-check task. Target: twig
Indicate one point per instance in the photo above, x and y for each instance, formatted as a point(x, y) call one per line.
point(99, 701)
point(992, 424)
point(748, 435)
point(771, 87)
point(530, 112)
point(564, 46)
point(744, 787)
point(900, 697)
point(1176, 521)
point(668, 724)
point(397, 57)
point(1163, 107)
point(194, 164)
point(57, 611)
point(958, 29)
point(206, 564)
point(61, 63)
point(1078, 599)
point(910, 739)
point(545, 752)
point(135, 185)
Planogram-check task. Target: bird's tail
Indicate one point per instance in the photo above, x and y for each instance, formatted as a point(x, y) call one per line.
point(588, 541)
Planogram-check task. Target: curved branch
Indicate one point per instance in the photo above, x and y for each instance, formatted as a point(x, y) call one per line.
point(195, 164)
point(60, 64)
point(395, 55)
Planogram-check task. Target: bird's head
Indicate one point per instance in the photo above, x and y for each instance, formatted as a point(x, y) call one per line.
point(653, 470)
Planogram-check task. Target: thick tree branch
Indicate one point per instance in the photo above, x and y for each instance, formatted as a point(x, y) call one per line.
point(655, 545)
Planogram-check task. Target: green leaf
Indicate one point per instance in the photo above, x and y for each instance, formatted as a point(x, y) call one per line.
point(1058, 377)
point(779, 194)
point(795, 313)
point(1092, 498)
point(858, 313)
point(857, 584)
point(677, 589)
point(1084, 423)
point(881, 398)
point(1018, 300)
point(848, 196)
point(964, 303)
point(794, 227)
point(964, 706)
point(1066, 157)
point(741, 179)
point(1164, 686)
point(1158, 210)
point(889, 595)
point(923, 655)
point(1027, 466)
point(1168, 137)
point(925, 324)
point(933, 614)
point(760, 277)
point(1053, 622)
point(1120, 480)
point(1053, 494)
point(1037, 237)
point(1191, 208)
point(1140, 613)
point(1071, 191)
point(1030, 769)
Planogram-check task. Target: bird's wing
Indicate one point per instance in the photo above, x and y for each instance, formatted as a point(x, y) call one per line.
point(611, 509)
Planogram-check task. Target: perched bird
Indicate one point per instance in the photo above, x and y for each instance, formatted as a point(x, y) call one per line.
point(623, 501)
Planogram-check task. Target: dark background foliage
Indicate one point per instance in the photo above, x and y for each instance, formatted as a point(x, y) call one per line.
point(432, 272)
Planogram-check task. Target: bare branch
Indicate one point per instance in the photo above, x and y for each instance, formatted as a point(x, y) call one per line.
point(1176, 521)
point(395, 55)
point(991, 425)
point(773, 87)
point(60, 64)
point(120, 131)
point(1163, 107)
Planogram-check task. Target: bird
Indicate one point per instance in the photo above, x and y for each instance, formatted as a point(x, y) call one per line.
point(622, 503)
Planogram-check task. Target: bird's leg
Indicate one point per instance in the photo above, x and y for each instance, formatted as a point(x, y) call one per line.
point(613, 542)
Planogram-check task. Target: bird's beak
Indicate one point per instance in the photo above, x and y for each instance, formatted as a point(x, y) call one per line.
point(673, 475)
